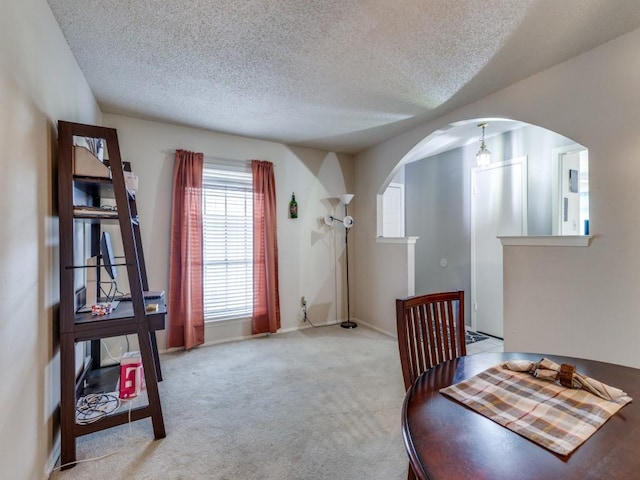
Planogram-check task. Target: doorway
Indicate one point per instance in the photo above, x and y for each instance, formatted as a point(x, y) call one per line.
point(570, 186)
point(498, 208)
point(393, 210)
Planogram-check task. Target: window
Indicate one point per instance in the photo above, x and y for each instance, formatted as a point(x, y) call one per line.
point(228, 241)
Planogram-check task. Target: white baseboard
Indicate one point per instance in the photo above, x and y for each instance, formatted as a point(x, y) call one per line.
point(302, 326)
point(377, 329)
point(54, 456)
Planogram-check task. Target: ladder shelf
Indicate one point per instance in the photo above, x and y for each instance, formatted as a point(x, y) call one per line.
point(81, 211)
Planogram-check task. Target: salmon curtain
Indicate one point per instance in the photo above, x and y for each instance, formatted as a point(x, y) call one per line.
point(266, 299)
point(186, 303)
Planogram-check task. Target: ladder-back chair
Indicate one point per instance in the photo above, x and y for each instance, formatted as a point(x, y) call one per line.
point(430, 331)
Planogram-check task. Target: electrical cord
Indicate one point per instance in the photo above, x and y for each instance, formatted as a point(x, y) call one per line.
point(107, 295)
point(85, 460)
point(113, 288)
point(60, 467)
point(307, 319)
point(104, 344)
point(95, 406)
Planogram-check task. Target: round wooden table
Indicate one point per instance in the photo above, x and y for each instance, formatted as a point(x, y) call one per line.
point(448, 441)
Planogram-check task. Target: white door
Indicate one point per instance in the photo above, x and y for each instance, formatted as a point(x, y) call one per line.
point(393, 211)
point(498, 208)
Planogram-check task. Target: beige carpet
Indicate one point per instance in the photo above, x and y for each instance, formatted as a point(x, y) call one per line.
point(315, 404)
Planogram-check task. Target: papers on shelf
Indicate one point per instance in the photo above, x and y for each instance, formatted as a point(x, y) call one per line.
point(83, 210)
point(131, 181)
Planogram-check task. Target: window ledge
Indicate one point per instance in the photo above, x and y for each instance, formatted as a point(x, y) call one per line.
point(402, 240)
point(226, 321)
point(547, 241)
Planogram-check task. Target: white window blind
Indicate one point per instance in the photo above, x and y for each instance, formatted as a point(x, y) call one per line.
point(228, 241)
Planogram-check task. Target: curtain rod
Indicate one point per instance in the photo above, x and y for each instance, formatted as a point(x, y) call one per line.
point(222, 159)
point(214, 158)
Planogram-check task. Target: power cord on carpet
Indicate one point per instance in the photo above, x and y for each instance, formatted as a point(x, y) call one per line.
point(60, 467)
point(93, 459)
point(94, 407)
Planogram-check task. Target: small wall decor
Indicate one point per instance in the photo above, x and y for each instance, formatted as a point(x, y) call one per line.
point(293, 207)
point(573, 181)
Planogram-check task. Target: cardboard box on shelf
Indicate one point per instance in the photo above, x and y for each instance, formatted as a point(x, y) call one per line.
point(86, 164)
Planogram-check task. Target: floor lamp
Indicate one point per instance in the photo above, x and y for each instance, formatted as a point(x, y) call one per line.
point(347, 221)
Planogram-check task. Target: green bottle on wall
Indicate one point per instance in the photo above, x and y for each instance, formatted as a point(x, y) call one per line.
point(293, 207)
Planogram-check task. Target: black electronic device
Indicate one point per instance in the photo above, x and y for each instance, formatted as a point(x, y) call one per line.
point(108, 260)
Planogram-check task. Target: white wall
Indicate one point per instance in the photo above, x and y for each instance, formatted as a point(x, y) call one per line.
point(438, 211)
point(310, 253)
point(40, 83)
point(575, 301)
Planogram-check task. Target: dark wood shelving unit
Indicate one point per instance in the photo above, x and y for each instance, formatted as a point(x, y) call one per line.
point(131, 317)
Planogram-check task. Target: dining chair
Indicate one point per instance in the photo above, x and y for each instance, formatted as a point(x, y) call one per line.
point(430, 331)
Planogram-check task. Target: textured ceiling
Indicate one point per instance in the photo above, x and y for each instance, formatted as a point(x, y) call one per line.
point(340, 75)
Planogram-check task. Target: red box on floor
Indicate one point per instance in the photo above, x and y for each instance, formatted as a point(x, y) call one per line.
point(131, 375)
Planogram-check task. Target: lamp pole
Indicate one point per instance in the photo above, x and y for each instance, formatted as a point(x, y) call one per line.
point(348, 323)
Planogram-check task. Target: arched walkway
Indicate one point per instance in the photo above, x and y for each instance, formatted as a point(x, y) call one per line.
point(436, 181)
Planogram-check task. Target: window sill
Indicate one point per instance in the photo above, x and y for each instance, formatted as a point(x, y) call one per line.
point(547, 241)
point(227, 321)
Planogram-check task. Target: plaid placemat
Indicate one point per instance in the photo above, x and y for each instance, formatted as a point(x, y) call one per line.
point(556, 417)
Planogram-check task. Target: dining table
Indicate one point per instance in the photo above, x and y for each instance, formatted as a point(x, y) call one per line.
point(446, 440)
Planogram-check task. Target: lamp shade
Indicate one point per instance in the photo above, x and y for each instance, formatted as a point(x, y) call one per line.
point(346, 198)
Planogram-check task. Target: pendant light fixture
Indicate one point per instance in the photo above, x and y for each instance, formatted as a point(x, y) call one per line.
point(483, 157)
